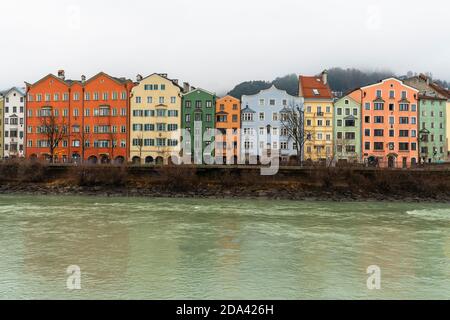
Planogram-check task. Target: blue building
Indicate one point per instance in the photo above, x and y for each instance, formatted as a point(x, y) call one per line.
point(262, 130)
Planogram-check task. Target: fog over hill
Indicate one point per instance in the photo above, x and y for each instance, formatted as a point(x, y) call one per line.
point(341, 80)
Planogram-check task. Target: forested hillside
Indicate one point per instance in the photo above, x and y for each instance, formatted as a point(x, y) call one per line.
point(341, 80)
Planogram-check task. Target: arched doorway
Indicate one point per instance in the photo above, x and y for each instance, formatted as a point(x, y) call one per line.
point(159, 160)
point(119, 160)
point(391, 161)
point(372, 161)
point(413, 161)
point(104, 159)
point(136, 160)
point(92, 160)
point(76, 158)
point(33, 157)
point(149, 160)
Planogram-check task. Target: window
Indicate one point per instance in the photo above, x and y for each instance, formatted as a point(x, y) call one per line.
point(338, 123)
point(275, 116)
point(404, 95)
point(339, 111)
point(378, 119)
point(367, 132)
point(378, 146)
point(350, 123)
point(75, 143)
point(367, 106)
point(173, 99)
point(403, 120)
point(403, 133)
point(350, 136)
point(161, 100)
point(366, 145)
point(272, 102)
point(247, 117)
point(261, 116)
point(209, 104)
point(378, 133)
point(138, 99)
point(404, 107)
point(391, 94)
point(378, 106)
point(379, 93)
point(403, 146)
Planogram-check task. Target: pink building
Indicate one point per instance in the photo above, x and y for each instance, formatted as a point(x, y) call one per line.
point(389, 124)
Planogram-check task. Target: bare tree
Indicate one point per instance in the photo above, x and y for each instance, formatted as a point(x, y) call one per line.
point(55, 129)
point(293, 122)
point(140, 145)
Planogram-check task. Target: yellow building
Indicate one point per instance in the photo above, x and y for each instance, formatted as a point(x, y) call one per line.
point(155, 119)
point(318, 103)
point(2, 118)
point(448, 127)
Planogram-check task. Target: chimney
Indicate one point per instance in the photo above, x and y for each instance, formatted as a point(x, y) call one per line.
point(83, 78)
point(325, 76)
point(61, 74)
point(138, 78)
point(186, 86)
point(164, 75)
point(175, 81)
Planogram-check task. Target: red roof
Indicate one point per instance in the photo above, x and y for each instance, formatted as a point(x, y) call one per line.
point(313, 87)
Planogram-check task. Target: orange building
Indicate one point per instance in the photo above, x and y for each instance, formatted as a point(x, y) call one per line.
point(92, 116)
point(228, 122)
point(389, 123)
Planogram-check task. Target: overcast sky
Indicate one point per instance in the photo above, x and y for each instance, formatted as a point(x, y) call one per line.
point(216, 44)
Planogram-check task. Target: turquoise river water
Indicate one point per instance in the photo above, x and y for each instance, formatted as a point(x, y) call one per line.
point(139, 248)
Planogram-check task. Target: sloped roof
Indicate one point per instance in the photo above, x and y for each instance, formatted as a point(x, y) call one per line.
point(6, 92)
point(314, 88)
point(248, 110)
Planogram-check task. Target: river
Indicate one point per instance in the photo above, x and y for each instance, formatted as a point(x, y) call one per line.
point(143, 248)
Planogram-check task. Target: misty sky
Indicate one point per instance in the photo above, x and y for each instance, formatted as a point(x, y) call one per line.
point(216, 44)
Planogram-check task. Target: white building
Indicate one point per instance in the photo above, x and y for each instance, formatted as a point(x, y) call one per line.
point(14, 123)
point(262, 129)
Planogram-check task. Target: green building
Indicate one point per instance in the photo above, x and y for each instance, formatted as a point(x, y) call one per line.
point(198, 115)
point(347, 130)
point(432, 128)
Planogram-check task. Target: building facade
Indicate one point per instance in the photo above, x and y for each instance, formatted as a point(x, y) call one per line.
point(1, 125)
point(14, 123)
point(433, 119)
point(106, 118)
point(390, 124)
point(198, 117)
point(228, 123)
point(432, 129)
point(155, 119)
point(318, 100)
point(91, 116)
point(262, 130)
point(347, 129)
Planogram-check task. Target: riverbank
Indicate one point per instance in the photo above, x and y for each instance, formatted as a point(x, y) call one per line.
point(331, 184)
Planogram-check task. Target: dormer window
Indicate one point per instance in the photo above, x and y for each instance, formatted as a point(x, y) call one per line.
point(316, 92)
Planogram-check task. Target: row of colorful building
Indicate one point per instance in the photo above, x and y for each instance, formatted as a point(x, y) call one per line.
point(395, 122)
